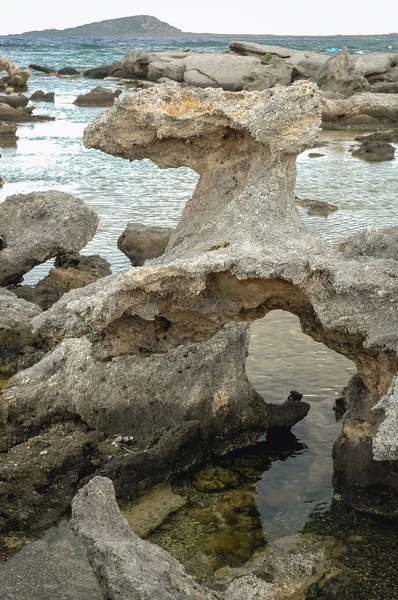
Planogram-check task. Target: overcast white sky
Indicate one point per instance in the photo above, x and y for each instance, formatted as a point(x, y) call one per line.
point(294, 17)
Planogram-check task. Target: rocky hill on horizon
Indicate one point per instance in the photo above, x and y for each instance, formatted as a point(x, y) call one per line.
point(135, 26)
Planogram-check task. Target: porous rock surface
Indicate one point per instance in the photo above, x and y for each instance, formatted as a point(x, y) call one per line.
point(241, 250)
point(129, 567)
point(37, 226)
point(376, 242)
point(125, 565)
point(365, 111)
point(141, 242)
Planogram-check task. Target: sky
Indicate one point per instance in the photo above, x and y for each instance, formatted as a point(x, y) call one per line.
point(285, 17)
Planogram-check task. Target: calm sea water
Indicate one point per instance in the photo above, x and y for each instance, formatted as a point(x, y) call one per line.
point(51, 156)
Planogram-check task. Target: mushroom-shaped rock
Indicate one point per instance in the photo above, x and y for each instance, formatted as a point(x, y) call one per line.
point(37, 226)
point(125, 565)
point(241, 250)
point(142, 242)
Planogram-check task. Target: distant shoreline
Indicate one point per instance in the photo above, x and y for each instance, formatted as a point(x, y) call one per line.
point(60, 34)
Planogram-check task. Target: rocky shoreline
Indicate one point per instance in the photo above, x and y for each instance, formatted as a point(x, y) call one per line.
point(140, 375)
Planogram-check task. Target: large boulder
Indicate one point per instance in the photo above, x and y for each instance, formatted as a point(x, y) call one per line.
point(40, 96)
point(218, 70)
point(143, 242)
point(375, 151)
point(99, 96)
point(71, 271)
point(37, 226)
point(364, 111)
point(341, 74)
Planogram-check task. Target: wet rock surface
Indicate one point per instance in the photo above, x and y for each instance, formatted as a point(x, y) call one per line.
point(124, 564)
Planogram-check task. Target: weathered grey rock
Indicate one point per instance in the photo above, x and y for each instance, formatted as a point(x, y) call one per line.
point(38, 226)
point(263, 77)
point(252, 49)
point(375, 63)
point(385, 87)
point(16, 332)
point(126, 394)
point(361, 111)
point(40, 96)
point(375, 151)
point(16, 78)
point(14, 100)
point(374, 242)
point(71, 271)
point(143, 242)
point(125, 565)
point(99, 96)
point(341, 74)
point(171, 68)
point(281, 572)
point(227, 261)
point(385, 442)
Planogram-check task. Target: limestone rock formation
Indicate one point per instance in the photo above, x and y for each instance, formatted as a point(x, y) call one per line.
point(341, 74)
point(71, 271)
point(125, 565)
point(241, 250)
point(129, 567)
point(361, 112)
point(16, 331)
point(35, 227)
point(375, 242)
point(16, 78)
point(122, 392)
point(99, 96)
point(142, 242)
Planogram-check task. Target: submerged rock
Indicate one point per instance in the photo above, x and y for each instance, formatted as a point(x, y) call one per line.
point(318, 208)
point(38, 226)
point(125, 565)
point(8, 137)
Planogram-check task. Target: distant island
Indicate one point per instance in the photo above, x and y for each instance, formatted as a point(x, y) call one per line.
point(137, 26)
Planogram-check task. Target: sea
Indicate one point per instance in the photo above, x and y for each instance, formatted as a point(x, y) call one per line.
point(51, 155)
